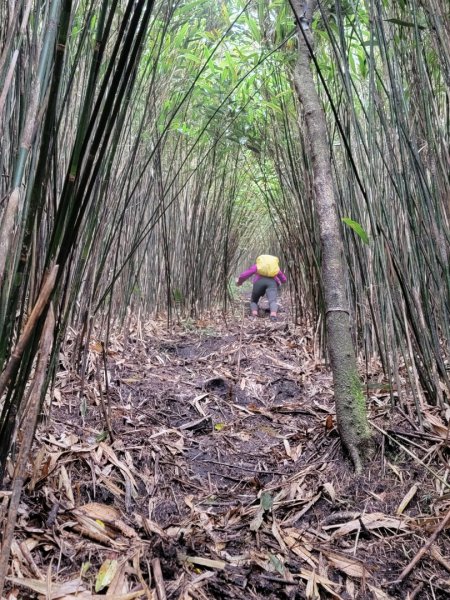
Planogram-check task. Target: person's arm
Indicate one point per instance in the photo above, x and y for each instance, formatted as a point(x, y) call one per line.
point(246, 274)
point(281, 277)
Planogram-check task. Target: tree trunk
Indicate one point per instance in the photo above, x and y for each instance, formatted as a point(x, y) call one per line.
point(351, 412)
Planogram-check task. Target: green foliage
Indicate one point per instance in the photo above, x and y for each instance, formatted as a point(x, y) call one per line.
point(266, 502)
point(405, 23)
point(357, 228)
point(177, 295)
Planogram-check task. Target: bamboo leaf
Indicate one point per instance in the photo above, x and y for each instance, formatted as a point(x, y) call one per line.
point(42, 587)
point(257, 521)
point(404, 23)
point(266, 501)
point(106, 574)
point(206, 562)
point(276, 563)
point(357, 228)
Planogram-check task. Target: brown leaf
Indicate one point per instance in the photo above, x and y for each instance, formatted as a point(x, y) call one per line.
point(378, 594)
point(257, 520)
point(296, 543)
point(95, 510)
point(369, 521)
point(326, 583)
point(328, 488)
point(136, 595)
point(437, 426)
point(312, 589)
point(95, 346)
point(206, 562)
point(56, 590)
point(407, 499)
point(105, 517)
point(347, 565)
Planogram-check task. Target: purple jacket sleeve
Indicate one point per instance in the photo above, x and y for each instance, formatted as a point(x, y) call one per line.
point(246, 274)
point(281, 277)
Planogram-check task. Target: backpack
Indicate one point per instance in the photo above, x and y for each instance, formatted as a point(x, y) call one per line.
point(267, 266)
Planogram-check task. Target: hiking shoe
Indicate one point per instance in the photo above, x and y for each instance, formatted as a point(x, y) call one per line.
point(273, 319)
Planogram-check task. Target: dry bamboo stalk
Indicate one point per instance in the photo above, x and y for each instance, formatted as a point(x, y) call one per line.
point(159, 580)
point(105, 411)
point(436, 554)
point(11, 32)
point(38, 309)
point(7, 84)
point(12, 205)
point(27, 439)
point(7, 230)
point(407, 570)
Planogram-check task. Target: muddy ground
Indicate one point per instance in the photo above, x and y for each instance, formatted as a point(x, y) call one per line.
point(226, 478)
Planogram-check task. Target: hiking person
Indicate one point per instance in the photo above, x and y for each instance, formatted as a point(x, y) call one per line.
point(267, 278)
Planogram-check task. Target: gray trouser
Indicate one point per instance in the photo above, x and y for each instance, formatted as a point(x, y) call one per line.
point(268, 286)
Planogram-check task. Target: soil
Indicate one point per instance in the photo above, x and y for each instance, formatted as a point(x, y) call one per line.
point(226, 478)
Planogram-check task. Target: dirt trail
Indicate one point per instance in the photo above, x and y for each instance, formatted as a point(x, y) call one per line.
point(226, 478)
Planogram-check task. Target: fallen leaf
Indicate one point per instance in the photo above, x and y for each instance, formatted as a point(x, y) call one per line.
point(312, 590)
point(329, 490)
point(369, 521)
point(122, 466)
point(437, 425)
point(350, 587)
point(95, 347)
point(266, 501)
point(295, 542)
point(118, 584)
point(277, 534)
point(287, 447)
point(378, 594)
point(396, 470)
point(138, 594)
point(206, 562)
point(276, 563)
point(101, 512)
point(94, 529)
point(326, 583)
point(347, 565)
point(57, 590)
point(407, 499)
point(256, 522)
point(105, 574)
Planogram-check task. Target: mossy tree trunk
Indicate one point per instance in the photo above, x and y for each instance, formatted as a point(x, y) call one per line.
point(349, 398)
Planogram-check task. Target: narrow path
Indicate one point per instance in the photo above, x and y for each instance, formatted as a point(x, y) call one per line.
point(226, 472)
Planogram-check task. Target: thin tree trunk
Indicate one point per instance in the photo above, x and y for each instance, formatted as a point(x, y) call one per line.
point(350, 402)
point(29, 428)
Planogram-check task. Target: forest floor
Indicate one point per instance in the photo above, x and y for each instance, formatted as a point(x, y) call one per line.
point(226, 478)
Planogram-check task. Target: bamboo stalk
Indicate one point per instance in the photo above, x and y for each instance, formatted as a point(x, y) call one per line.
point(26, 442)
point(38, 309)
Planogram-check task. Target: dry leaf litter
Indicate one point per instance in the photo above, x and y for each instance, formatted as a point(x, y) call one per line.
point(225, 477)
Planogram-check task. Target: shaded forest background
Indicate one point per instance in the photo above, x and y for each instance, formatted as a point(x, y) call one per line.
point(151, 149)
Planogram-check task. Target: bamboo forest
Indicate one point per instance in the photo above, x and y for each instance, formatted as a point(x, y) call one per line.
point(224, 299)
